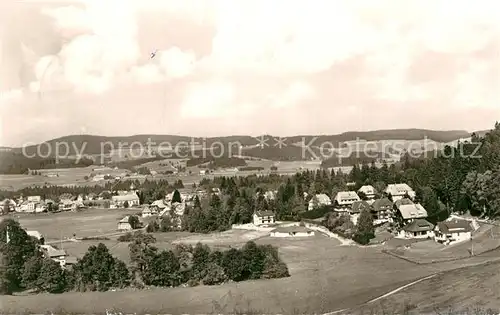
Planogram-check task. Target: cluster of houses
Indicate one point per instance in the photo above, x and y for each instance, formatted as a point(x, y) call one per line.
point(397, 207)
point(166, 207)
point(69, 202)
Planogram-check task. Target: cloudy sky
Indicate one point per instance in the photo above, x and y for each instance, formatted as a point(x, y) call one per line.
point(246, 66)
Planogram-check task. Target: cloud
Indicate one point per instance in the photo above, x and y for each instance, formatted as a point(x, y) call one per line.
point(293, 95)
point(207, 100)
point(222, 62)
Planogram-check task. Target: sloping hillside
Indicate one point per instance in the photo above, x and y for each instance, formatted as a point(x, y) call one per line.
point(471, 290)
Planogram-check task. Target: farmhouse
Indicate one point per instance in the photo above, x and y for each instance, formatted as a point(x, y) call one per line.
point(319, 200)
point(292, 231)
point(131, 198)
point(124, 225)
point(400, 191)
point(418, 228)
point(57, 255)
point(27, 206)
point(368, 191)
point(382, 211)
point(453, 231)
point(159, 205)
point(263, 218)
point(408, 211)
point(345, 199)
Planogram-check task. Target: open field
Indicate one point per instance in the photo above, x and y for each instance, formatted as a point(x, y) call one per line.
point(89, 222)
point(461, 291)
point(325, 277)
point(67, 176)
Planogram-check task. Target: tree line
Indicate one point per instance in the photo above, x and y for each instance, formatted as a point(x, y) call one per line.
point(23, 267)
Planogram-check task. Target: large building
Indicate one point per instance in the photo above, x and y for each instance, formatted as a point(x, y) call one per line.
point(132, 199)
point(400, 191)
point(345, 199)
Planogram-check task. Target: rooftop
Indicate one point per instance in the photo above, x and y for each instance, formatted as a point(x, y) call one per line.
point(454, 226)
point(419, 225)
point(264, 213)
point(412, 211)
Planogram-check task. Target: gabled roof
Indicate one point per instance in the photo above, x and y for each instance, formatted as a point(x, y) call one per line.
point(124, 220)
point(412, 211)
point(367, 188)
point(323, 198)
point(347, 195)
point(402, 202)
point(380, 204)
point(398, 189)
point(159, 203)
point(127, 197)
point(419, 225)
point(358, 206)
point(264, 213)
point(455, 226)
point(53, 252)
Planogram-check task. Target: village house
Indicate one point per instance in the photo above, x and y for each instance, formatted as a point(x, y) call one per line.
point(131, 198)
point(263, 218)
point(407, 211)
point(417, 229)
point(382, 211)
point(292, 231)
point(319, 200)
point(356, 209)
point(147, 211)
point(453, 231)
point(124, 225)
point(57, 255)
point(400, 191)
point(26, 206)
point(158, 205)
point(368, 191)
point(345, 199)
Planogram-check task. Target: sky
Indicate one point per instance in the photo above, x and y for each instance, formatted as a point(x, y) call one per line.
point(229, 67)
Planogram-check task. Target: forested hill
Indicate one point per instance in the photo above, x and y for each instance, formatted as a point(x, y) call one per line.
point(100, 144)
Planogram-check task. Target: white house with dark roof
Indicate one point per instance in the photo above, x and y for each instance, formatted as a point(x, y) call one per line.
point(368, 190)
point(399, 191)
point(57, 255)
point(345, 199)
point(263, 218)
point(453, 231)
point(417, 229)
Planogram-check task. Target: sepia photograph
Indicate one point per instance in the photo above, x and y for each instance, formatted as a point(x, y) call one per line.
point(248, 157)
